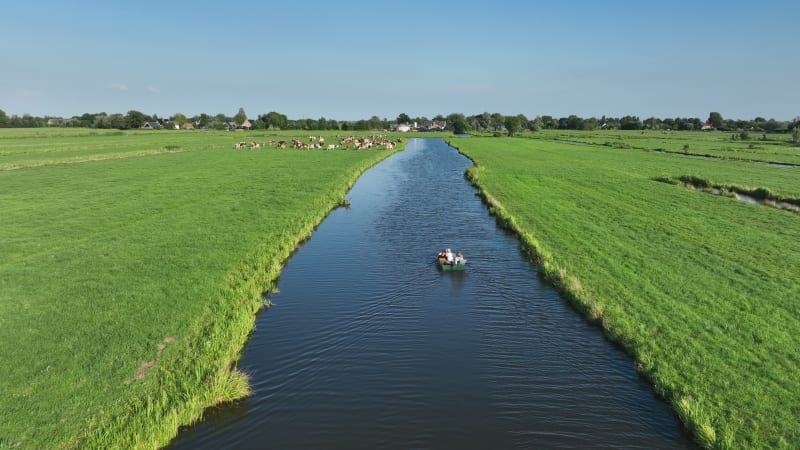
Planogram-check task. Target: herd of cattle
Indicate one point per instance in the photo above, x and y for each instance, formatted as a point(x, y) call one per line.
point(314, 142)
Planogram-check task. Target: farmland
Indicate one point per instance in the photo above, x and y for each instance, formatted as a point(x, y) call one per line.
point(135, 261)
point(700, 289)
point(133, 264)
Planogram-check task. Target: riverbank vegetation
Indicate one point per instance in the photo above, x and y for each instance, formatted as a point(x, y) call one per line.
point(133, 264)
point(701, 290)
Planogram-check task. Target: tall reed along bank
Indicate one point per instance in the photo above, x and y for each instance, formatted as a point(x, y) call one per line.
point(133, 264)
point(701, 290)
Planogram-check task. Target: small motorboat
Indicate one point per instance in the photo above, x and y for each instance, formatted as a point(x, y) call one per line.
point(457, 261)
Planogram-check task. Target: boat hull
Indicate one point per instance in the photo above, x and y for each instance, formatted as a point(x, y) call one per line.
point(448, 267)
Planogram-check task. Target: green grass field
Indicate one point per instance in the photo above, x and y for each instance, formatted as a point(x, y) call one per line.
point(702, 290)
point(130, 276)
point(757, 148)
point(33, 147)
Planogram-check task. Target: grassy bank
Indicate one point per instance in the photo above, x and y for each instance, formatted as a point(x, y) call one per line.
point(702, 290)
point(129, 285)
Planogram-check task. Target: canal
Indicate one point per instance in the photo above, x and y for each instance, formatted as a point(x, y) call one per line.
point(369, 345)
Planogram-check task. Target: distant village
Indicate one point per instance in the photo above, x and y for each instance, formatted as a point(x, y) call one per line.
point(415, 127)
point(456, 122)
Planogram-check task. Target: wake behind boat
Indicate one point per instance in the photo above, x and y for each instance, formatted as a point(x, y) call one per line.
point(447, 260)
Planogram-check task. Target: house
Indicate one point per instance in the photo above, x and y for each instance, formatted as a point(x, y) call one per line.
point(150, 125)
point(55, 121)
point(188, 126)
point(437, 126)
point(431, 125)
point(246, 125)
point(404, 128)
point(707, 126)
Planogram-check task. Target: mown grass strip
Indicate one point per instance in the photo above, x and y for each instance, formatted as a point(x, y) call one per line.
point(701, 290)
point(128, 286)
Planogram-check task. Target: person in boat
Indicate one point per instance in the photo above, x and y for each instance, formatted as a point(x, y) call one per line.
point(459, 259)
point(448, 256)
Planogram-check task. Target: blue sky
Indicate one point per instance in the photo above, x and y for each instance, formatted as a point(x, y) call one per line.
point(350, 60)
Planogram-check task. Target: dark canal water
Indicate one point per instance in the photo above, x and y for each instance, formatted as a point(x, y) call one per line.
point(368, 345)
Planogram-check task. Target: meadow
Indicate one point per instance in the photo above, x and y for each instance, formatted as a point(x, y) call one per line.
point(133, 265)
point(702, 290)
point(756, 147)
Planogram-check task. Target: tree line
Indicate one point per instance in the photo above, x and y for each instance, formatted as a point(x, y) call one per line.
point(458, 122)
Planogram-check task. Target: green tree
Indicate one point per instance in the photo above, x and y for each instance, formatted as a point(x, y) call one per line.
point(117, 121)
point(575, 123)
point(135, 119)
point(98, 120)
point(306, 124)
point(261, 122)
point(523, 121)
point(537, 124)
point(240, 117)
point(180, 119)
point(403, 118)
point(497, 119)
point(512, 125)
point(3, 119)
point(773, 125)
point(485, 121)
point(728, 124)
point(374, 123)
point(590, 123)
point(203, 120)
point(630, 123)
point(452, 117)
point(652, 123)
point(277, 120)
point(459, 126)
point(258, 124)
point(612, 123)
point(459, 123)
point(796, 134)
point(684, 124)
point(715, 119)
point(549, 123)
point(85, 120)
